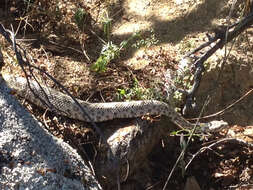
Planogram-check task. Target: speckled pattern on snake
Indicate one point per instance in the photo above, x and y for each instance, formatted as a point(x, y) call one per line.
point(98, 112)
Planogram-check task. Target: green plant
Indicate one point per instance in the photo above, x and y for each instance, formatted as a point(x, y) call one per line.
point(146, 42)
point(107, 25)
point(109, 52)
point(80, 18)
point(136, 92)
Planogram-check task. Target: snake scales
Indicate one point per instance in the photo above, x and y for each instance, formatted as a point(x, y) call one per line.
point(98, 112)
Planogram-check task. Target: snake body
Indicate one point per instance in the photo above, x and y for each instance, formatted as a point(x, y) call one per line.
point(98, 112)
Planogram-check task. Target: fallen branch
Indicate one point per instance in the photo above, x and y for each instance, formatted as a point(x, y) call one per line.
point(223, 35)
point(225, 109)
point(221, 141)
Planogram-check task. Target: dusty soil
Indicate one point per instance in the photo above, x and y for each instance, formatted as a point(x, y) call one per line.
point(48, 32)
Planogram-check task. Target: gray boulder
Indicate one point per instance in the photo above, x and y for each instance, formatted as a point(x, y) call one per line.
point(31, 158)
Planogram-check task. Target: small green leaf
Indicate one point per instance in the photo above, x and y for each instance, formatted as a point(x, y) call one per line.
point(80, 17)
point(122, 91)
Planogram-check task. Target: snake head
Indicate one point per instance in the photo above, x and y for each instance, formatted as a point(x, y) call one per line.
point(213, 126)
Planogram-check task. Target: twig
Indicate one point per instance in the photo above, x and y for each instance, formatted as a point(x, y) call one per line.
point(225, 140)
point(225, 109)
point(181, 156)
point(44, 119)
point(222, 37)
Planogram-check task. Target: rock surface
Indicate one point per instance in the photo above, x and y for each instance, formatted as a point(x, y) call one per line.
point(31, 158)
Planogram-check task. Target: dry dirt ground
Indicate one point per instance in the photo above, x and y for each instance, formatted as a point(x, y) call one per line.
point(47, 30)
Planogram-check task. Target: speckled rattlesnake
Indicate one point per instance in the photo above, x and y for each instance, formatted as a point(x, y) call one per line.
point(99, 112)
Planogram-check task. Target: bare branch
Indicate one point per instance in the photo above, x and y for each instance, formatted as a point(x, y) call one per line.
point(223, 35)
